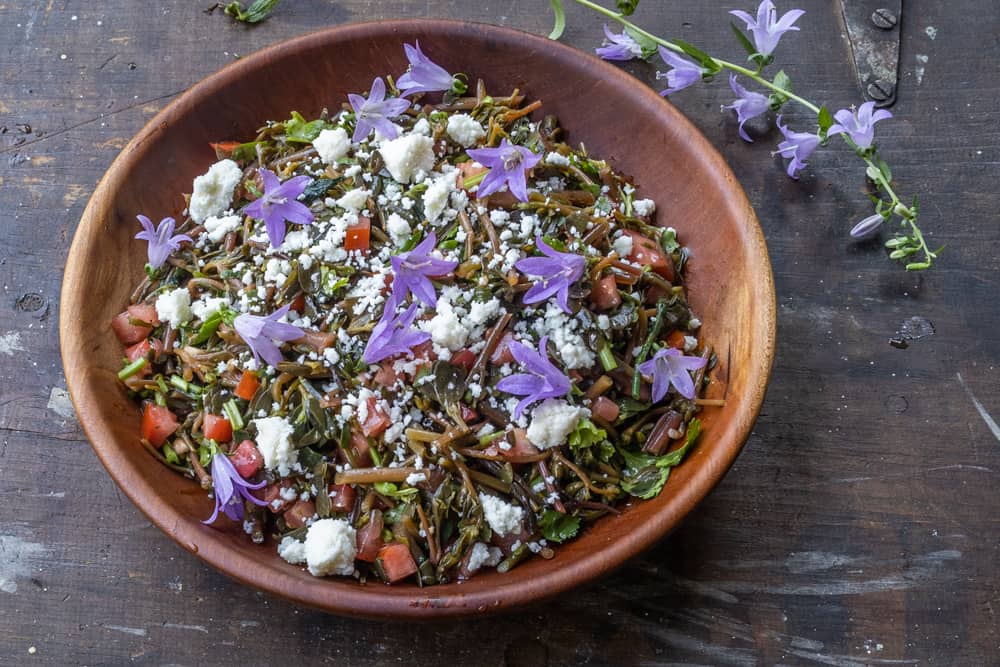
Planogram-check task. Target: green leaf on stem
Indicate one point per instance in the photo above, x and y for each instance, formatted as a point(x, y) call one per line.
point(255, 13)
point(825, 120)
point(705, 60)
point(627, 7)
point(647, 45)
point(558, 527)
point(747, 44)
point(776, 99)
point(559, 15)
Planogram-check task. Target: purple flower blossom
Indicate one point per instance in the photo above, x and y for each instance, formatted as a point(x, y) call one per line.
point(859, 127)
point(558, 270)
point(508, 164)
point(278, 204)
point(683, 74)
point(797, 146)
point(393, 335)
point(867, 227)
point(767, 31)
point(230, 489)
point(424, 75)
point(543, 380)
point(374, 113)
point(162, 242)
point(747, 105)
point(668, 367)
point(413, 271)
point(619, 47)
point(261, 332)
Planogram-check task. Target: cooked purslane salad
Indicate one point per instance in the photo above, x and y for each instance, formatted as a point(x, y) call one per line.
point(415, 338)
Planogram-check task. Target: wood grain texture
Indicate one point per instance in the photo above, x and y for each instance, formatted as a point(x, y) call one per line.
point(859, 525)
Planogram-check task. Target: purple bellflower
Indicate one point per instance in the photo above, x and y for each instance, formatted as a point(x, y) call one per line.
point(767, 28)
point(683, 74)
point(867, 227)
point(261, 332)
point(558, 270)
point(668, 367)
point(413, 271)
point(424, 75)
point(230, 489)
point(393, 335)
point(797, 147)
point(279, 203)
point(747, 105)
point(374, 113)
point(508, 164)
point(618, 47)
point(859, 127)
point(543, 380)
point(162, 240)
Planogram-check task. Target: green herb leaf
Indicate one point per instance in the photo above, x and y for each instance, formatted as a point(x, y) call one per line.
point(298, 130)
point(318, 188)
point(558, 527)
point(393, 491)
point(668, 241)
point(255, 13)
point(170, 455)
point(747, 44)
point(705, 60)
point(627, 7)
point(825, 120)
point(648, 46)
point(645, 475)
point(559, 15)
point(586, 434)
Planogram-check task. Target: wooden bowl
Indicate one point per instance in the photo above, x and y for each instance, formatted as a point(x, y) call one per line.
point(617, 118)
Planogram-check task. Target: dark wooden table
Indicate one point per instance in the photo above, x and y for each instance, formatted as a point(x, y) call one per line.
point(859, 526)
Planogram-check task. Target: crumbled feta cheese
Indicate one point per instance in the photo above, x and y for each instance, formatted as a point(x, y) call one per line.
point(354, 200)
point(212, 192)
point(174, 306)
point(415, 478)
point(482, 312)
point(422, 127)
point(552, 421)
point(207, 306)
point(465, 130)
point(407, 155)
point(398, 228)
point(332, 144)
point(292, 550)
point(274, 440)
point(623, 245)
point(295, 241)
point(557, 159)
point(503, 517)
point(644, 207)
point(330, 548)
point(483, 554)
point(445, 328)
point(437, 195)
point(216, 228)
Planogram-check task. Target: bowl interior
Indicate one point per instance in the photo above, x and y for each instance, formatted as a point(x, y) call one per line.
point(614, 115)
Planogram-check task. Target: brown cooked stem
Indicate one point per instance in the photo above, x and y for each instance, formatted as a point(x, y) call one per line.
point(470, 233)
point(523, 111)
point(583, 476)
point(491, 232)
point(492, 340)
point(543, 470)
point(431, 537)
point(203, 477)
point(374, 475)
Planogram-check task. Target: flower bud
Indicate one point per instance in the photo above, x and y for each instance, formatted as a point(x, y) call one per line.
point(867, 227)
point(902, 211)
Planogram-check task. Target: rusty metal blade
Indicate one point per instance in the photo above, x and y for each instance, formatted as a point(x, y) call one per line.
point(873, 28)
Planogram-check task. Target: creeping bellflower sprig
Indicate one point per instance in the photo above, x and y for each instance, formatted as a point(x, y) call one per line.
point(413, 272)
point(856, 128)
point(670, 367)
point(259, 333)
point(619, 47)
point(374, 112)
point(231, 489)
point(426, 76)
point(393, 335)
point(508, 164)
point(557, 270)
point(279, 203)
point(543, 380)
point(162, 240)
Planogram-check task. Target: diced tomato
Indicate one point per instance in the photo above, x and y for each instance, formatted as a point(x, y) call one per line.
point(158, 424)
point(502, 354)
point(522, 446)
point(376, 421)
point(359, 235)
point(369, 538)
point(317, 340)
point(604, 408)
point(604, 294)
point(464, 358)
point(361, 449)
point(272, 496)
point(296, 516)
point(247, 459)
point(141, 350)
point(467, 170)
point(135, 323)
point(224, 148)
point(299, 303)
point(386, 374)
point(468, 414)
point(646, 252)
point(676, 339)
point(248, 386)
point(397, 562)
point(342, 497)
point(216, 427)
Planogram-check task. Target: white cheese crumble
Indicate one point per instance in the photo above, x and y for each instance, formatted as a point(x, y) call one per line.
point(216, 228)
point(292, 550)
point(407, 155)
point(465, 130)
point(481, 312)
point(330, 548)
point(623, 245)
point(398, 228)
point(415, 478)
point(332, 144)
point(174, 307)
point(483, 554)
point(644, 207)
point(557, 159)
point(274, 440)
point(437, 195)
point(445, 328)
point(207, 306)
point(503, 517)
point(354, 200)
point(553, 421)
point(212, 192)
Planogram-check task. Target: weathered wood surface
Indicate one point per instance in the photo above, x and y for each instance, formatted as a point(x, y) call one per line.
point(859, 526)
